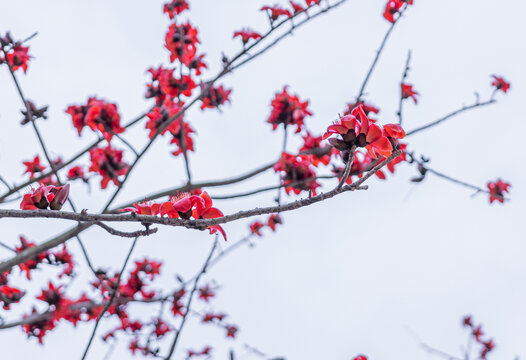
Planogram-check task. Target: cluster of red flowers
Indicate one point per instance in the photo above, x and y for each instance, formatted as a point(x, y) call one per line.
point(477, 333)
point(257, 226)
point(8, 294)
point(58, 258)
point(217, 319)
point(312, 145)
point(76, 172)
point(358, 131)
point(497, 190)
point(197, 205)
point(213, 97)
point(393, 7)
point(97, 115)
point(16, 55)
point(297, 173)
point(108, 163)
point(500, 84)
point(44, 197)
point(288, 110)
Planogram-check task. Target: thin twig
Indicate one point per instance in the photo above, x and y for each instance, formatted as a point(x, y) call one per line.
point(348, 167)
point(450, 115)
point(404, 76)
point(133, 234)
point(378, 53)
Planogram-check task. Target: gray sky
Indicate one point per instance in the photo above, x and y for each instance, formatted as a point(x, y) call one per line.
point(365, 272)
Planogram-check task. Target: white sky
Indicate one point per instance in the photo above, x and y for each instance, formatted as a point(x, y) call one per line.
point(361, 273)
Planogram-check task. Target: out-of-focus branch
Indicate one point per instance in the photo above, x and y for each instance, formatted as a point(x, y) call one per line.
point(404, 76)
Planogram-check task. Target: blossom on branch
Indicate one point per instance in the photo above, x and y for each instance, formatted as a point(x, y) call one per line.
point(175, 7)
point(497, 190)
point(288, 110)
point(45, 196)
point(34, 167)
point(500, 84)
point(108, 163)
point(407, 91)
point(274, 12)
point(247, 34)
point(17, 57)
point(181, 40)
point(297, 173)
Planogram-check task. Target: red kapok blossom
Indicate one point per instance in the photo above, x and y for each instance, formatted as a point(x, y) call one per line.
point(108, 163)
point(311, 2)
point(209, 317)
point(161, 328)
point(214, 97)
point(273, 220)
point(181, 40)
point(255, 228)
point(497, 190)
point(360, 357)
point(10, 295)
point(175, 7)
point(297, 173)
point(367, 108)
point(194, 62)
point(145, 208)
point(500, 84)
point(393, 7)
point(275, 12)
point(76, 172)
point(17, 57)
point(178, 138)
point(407, 91)
point(296, 7)
point(360, 131)
point(288, 110)
point(181, 205)
point(174, 87)
point(206, 293)
point(159, 116)
point(312, 146)
point(98, 115)
point(247, 34)
point(231, 331)
point(206, 351)
point(33, 167)
point(45, 196)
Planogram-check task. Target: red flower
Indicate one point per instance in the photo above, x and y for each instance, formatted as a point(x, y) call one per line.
point(231, 331)
point(500, 83)
point(17, 57)
point(108, 163)
point(53, 295)
point(360, 357)
point(393, 7)
point(175, 7)
point(98, 115)
point(39, 328)
point(407, 91)
point(206, 293)
point(297, 7)
point(160, 115)
point(205, 351)
point(76, 172)
point(178, 137)
point(181, 205)
point(273, 220)
point(497, 190)
point(255, 228)
point(161, 328)
point(10, 295)
point(45, 196)
point(194, 62)
point(145, 208)
point(209, 317)
point(312, 146)
point(275, 12)
point(246, 35)
point(360, 131)
point(310, 2)
point(297, 170)
point(33, 167)
point(288, 110)
point(214, 97)
point(467, 321)
point(174, 87)
point(181, 40)
point(367, 108)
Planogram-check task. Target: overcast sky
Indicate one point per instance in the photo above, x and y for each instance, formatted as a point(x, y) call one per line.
point(367, 272)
